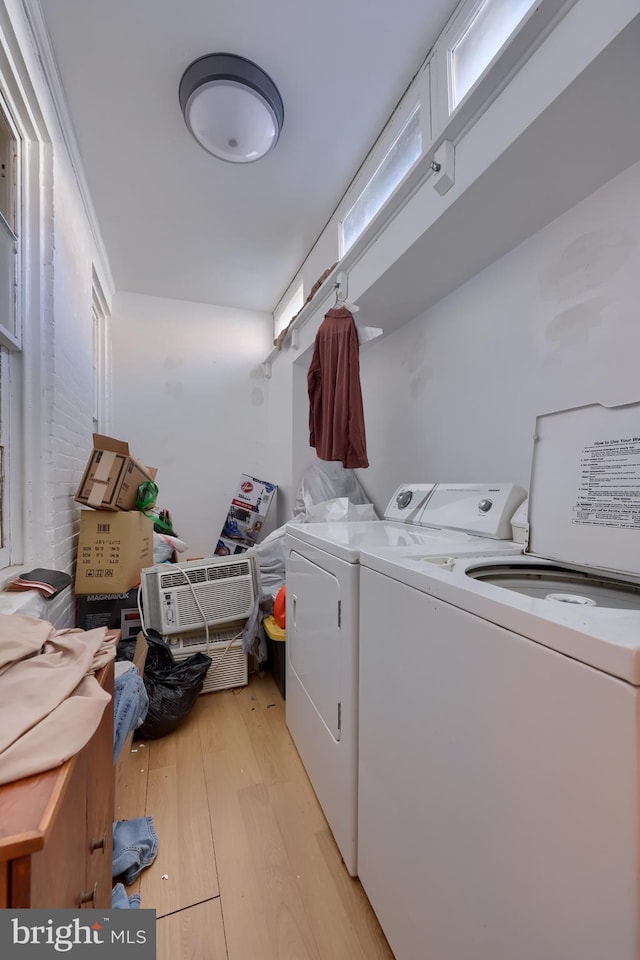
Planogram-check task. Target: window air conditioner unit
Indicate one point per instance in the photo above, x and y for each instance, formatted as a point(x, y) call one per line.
point(229, 663)
point(178, 598)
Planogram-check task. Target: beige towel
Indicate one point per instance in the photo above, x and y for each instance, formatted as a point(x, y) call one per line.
point(59, 736)
point(50, 702)
point(21, 637)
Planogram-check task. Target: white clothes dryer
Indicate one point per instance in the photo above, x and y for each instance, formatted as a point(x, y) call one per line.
point(499, 735)
point(323, 621)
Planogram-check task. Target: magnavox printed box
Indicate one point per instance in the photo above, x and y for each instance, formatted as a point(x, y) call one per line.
point(112, 550)
point(112, 476)
point(115, 611)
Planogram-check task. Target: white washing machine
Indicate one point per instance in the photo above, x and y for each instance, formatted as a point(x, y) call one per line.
point(323, 622)
point(499, 749)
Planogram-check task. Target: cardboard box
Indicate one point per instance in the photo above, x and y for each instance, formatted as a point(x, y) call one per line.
point(245, 518)
point(112, 550)
point(116, 611)
point(140, 652)
point(112, 476)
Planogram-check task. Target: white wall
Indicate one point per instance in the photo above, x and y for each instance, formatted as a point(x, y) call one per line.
point(189, 399)
point(279, 455)
point(435, 389)
point(453, 395)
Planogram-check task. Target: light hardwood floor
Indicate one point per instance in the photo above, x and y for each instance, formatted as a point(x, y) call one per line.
point(247, 867)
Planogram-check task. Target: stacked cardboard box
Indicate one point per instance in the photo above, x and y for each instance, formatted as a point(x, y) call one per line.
point(112, 476)
point(116, 540)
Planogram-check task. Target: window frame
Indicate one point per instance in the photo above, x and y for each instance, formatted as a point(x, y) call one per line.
point(27, 356)
point(294, 302)
point(5, 487)
point(430, 88)
point(473, 12)
point(370, 182)
point(416, 97)
point(11, 335)
point(508, 59)
point(11, 361)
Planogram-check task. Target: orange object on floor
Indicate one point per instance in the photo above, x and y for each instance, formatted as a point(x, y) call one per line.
point(280, 608)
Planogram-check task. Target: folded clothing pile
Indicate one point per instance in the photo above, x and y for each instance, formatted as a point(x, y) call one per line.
point(48, 582)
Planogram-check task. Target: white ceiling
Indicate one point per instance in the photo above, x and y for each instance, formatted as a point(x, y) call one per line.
point(175, 221)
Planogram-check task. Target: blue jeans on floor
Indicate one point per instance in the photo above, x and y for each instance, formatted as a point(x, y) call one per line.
point(135, 846)
point(130, 705)
point(120, 900)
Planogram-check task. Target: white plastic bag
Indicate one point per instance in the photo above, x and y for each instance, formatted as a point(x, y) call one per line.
point(272, 561)
point(327, 480)
point(164, 545)
point(327, 492)
point(340, 509)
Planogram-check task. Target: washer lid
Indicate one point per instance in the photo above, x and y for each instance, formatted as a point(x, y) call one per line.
point(584, 496)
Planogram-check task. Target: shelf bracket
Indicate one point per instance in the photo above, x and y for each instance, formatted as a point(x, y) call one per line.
point(443, 167)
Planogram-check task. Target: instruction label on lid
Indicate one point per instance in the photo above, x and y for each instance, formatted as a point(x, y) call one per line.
point(584, 496)
point(609, 493)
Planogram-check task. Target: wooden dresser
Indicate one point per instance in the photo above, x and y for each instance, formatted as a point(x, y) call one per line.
point(56, 827)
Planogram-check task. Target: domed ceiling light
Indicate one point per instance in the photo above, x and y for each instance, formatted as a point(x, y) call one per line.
point(231, 107)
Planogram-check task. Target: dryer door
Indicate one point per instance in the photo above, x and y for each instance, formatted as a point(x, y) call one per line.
point(313, 636)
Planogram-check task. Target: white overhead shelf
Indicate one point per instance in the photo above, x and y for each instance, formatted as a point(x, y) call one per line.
point(588, 135)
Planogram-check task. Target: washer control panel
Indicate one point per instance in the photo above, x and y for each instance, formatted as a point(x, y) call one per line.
point(481, 509)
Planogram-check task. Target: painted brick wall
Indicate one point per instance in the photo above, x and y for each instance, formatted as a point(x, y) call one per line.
point(70, 417)
point(58, 396)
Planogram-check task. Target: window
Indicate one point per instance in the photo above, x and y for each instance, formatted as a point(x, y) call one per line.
point(484, 30)
point(4, 407)
point(10, 328)
point(9, 228)
point(283, 316)
point(401, 156)
point(480, 50)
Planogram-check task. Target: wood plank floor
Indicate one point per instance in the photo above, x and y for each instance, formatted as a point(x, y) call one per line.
point(247, 866)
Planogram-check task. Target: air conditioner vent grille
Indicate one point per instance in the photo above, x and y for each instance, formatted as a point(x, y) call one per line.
point(223, 674)
point(232, 600)
point(175, 577)
point(216, 635)
point(178, 578)
point(241, 569)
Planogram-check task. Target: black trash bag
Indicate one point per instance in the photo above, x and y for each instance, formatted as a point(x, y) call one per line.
point(172, 687)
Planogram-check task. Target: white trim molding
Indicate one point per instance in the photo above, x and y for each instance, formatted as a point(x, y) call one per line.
point(42, 42)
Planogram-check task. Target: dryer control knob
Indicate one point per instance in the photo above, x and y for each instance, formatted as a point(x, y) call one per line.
point(404, 499)
point(485, 505)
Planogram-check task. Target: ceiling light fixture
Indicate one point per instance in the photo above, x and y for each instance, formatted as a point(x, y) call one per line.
point(231, 107)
